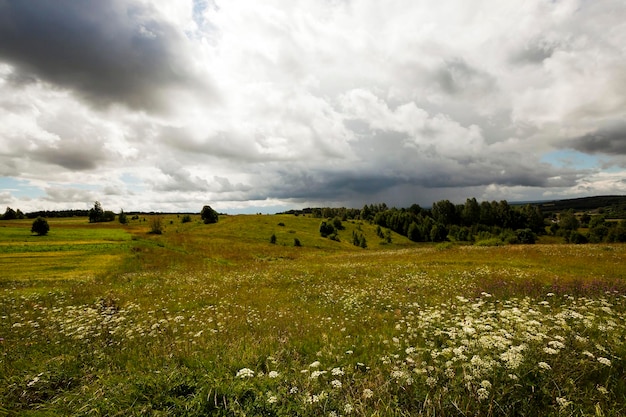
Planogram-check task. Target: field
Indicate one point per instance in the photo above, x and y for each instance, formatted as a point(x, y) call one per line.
point(105, 319)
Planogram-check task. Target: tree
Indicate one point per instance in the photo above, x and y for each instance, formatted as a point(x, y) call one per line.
point(40, 226)
point(273, 239)
point(326, 229)
point(9, 214)
point(122, 218)
point(209, 215)
point(96, 214)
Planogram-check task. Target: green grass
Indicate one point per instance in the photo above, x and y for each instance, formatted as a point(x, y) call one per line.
point(109, 320)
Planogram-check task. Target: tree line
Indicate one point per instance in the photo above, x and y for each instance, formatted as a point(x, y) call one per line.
point(488, 222)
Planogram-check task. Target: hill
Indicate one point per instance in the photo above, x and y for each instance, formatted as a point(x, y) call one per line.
point(613, 206)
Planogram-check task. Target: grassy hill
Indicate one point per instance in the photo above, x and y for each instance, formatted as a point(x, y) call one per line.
point(106, 319)
point(612, 206)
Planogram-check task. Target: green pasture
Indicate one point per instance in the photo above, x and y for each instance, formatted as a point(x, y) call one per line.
point(109, 319)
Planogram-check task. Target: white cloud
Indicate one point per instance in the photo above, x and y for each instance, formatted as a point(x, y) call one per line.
point(298, 102)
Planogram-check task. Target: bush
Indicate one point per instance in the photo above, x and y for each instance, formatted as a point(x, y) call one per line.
point(326, 229)
point(156, 226)
point(186, 218)
point(296, 242)
point(209, 215)
point(40, 226)
point(122, 218)
point(273, 239)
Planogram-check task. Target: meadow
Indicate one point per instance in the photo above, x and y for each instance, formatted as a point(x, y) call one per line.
point(107, 319)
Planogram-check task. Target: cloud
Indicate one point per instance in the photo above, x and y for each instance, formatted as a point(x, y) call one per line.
point(609, 140)
point(107, 52)
point(166, 105)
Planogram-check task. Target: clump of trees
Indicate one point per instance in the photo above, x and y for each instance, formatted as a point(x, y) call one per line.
point(209, 215)
point(10, 214)
point(97, 214)
point(40, 226)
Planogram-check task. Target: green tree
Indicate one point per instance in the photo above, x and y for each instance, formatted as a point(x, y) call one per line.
point(326, 229)
point(122, 218)
point(209, 215)
point(96, 214)
point(273, 239)
point(40, 226)
point(9, 214)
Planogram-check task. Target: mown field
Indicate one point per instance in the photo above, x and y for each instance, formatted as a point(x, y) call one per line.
point(105, 319)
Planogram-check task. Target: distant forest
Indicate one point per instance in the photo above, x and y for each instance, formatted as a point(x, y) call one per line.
point(580, 220)
point(594, 219)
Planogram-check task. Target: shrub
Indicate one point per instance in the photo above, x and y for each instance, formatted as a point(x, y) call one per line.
point(40, 226)
point(186, 218)
point(209, 215)
point(273, 239)
point(156, 226)
point(326, 229)
point(122, 218)
point(296, 242)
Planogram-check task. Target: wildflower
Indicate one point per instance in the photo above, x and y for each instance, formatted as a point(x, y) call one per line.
point(550, 351)
point(316, 374)
point(368, 393)
point(293, 390)
point(563, 402)
point(336, 383)
point(271, 398)
point(485, 384)
point(348, 408)
point(556, 344)
point(245, 373)
point(604, 361)
point(602, 390)
point(315, 364)
point(273, 374)
point(349, 352)
point(483, 394)
point(544, 365)
point(337, 371)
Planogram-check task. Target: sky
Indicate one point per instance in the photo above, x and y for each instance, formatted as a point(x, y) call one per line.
point(266, 106)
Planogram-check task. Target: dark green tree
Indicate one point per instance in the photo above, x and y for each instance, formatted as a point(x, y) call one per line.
point(122, 218)
point(96, 214)
point(9, 214)
point(326, 229)
point(209, 215)
point(40, 226)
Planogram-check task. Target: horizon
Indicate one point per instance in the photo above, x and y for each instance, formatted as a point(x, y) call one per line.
point(251, 108)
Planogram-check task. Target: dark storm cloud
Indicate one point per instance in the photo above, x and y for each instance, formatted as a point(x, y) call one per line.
point(107, 51)
point(610, 140)
point(72, 155)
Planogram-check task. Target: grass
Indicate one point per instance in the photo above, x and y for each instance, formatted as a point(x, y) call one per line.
point(215, 320)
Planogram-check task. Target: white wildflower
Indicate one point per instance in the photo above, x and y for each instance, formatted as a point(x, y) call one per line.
point(245, 373)
point(273, 374)
point(368, 393)
point(315, 364)
point(563, 402)
point(335, 383)
point(348, 408)
point(483, 394)
point(604, 361)
point(544, 365)
point(337, 371)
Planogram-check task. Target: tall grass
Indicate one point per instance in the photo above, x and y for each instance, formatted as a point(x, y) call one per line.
point(215, 320)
